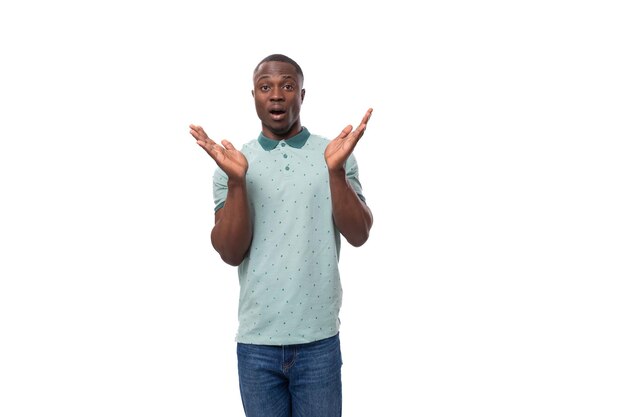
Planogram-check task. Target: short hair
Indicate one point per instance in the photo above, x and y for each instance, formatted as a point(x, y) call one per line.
point(280, 58)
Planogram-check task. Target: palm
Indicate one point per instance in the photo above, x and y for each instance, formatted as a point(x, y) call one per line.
point(229, 159)
point(338, 151)
point(232, 161)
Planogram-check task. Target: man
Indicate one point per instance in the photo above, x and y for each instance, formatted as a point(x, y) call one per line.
point(281, 204)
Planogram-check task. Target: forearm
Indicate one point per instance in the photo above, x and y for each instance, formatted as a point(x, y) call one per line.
point(351, 215)
point(232, 233)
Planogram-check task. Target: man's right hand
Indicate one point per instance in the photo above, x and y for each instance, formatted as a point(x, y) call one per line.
point(229, 159)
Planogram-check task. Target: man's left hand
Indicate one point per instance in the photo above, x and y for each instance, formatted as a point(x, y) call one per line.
point(340, 148)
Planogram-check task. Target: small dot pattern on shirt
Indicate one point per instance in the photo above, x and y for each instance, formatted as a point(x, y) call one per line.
point(290, 288)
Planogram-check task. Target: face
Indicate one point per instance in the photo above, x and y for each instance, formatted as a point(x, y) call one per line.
point(278, 96)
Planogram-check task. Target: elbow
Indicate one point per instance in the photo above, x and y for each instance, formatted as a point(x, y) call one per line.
point(232, 252)
point(232, 260)
point(357, 236)
point(230, 256)
point(362, 234)
point(359, 240)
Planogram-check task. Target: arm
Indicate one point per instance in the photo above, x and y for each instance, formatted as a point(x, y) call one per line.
point(351, 215)
point(232, 233)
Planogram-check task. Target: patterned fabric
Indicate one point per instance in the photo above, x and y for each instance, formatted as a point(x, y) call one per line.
point(290, 288)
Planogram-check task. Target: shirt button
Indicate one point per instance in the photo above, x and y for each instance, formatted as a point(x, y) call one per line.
point(284, 155)
point(287, 168)
point(282, 143)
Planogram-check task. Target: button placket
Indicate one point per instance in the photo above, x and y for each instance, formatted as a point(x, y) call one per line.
point(285, 156)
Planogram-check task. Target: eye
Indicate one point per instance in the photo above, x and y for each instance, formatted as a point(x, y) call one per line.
point(264, 88)
point(289, 87)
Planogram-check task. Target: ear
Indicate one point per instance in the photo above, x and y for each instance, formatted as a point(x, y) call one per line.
point(252, 91)
point(302, 93)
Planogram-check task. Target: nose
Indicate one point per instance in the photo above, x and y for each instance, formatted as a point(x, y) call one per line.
point(277, 95)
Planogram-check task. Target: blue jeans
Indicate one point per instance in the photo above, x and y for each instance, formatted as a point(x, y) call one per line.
point(292, 380)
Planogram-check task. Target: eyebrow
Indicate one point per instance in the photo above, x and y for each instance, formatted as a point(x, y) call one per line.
point(268, 76)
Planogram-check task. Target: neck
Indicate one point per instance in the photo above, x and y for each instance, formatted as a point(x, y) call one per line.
point(274, 135)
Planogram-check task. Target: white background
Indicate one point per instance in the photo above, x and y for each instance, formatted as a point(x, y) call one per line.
point(494, 163)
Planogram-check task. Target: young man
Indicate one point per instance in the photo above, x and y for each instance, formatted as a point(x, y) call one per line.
point(281, 204)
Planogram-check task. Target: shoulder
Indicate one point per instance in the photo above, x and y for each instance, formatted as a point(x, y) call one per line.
point(316, 142)
point(250, 147)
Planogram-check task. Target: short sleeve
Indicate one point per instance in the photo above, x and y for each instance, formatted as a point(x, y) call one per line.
point(352, 173)
point(220, 188)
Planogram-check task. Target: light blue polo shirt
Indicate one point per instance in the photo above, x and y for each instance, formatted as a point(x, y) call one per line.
point(290, 288)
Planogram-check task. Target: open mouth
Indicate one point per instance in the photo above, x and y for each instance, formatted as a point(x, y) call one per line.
point(277, 114)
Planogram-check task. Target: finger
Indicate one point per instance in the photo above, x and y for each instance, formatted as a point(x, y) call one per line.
point(215, 151)
point(195, 128)
point(207, 145)
point(367, 116)
point(201, 137)
point(358, 133)
point(229, 146)
point(206, 141)
point(198, 132)
point(196, 135)
point(204, 145)
point(345, 132)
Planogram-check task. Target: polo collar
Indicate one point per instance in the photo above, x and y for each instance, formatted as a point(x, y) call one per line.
point(297, 141)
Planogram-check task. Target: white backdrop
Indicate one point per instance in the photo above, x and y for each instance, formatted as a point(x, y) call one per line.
point(493, 280)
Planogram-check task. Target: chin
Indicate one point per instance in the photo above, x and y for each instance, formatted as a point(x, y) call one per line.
point(279, 129)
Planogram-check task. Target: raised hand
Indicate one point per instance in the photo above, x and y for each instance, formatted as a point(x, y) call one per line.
point(340, 148)
point(229, 159)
